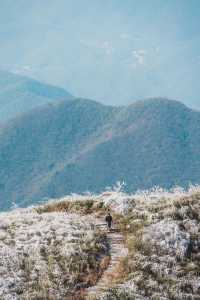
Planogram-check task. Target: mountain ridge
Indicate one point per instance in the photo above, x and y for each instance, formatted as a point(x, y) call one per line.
point(19, 94)
point(82, 145)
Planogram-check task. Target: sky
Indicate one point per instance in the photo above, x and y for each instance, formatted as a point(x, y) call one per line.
point(112, 51)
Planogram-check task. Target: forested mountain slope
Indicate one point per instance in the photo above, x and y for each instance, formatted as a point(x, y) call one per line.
point(81, 145)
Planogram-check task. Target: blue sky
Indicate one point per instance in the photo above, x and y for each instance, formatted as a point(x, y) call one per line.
point(112, 51)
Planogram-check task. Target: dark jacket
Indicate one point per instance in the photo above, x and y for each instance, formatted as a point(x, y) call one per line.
point(108, 219)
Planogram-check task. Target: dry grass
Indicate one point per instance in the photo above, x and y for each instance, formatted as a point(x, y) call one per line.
point(85, 207)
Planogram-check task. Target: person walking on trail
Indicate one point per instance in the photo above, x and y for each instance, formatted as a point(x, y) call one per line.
point(109, 220)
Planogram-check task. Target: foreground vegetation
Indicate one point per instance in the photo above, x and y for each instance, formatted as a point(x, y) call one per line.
point(163, 238)
point(49, 255)
point(56, 251)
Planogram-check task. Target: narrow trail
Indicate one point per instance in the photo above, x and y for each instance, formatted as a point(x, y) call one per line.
point(117, 251)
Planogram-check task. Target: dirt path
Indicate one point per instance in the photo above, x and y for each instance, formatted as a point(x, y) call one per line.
point(117, 251)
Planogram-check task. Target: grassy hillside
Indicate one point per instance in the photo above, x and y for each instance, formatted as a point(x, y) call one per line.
point(49, 256)
point(162, 236)
point(20, 94)
point(62, 249)
point(82, 145)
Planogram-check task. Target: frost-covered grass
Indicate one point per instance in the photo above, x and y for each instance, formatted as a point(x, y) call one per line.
point(53, 250)
point(48, 255)
point(163, 237)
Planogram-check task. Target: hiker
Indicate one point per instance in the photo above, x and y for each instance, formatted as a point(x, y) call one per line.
point(108, 220)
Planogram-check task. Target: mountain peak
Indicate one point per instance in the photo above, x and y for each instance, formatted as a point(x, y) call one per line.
point(159, 101)
point(19, 94)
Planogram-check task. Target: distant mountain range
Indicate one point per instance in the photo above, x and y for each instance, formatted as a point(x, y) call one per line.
point(19, 94)
point(80, 145)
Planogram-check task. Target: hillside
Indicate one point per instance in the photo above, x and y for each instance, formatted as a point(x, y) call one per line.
point(19, 94)
point(44, 256)
point(62, 249)
point(81, 145)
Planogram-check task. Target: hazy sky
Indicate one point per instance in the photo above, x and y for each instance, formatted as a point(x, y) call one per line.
point(114, 51)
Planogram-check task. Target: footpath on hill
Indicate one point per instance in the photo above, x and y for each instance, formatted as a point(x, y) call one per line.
point(117, 252)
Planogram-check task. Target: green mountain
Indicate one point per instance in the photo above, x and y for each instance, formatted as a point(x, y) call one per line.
point(20, 94)
point(81, 145)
